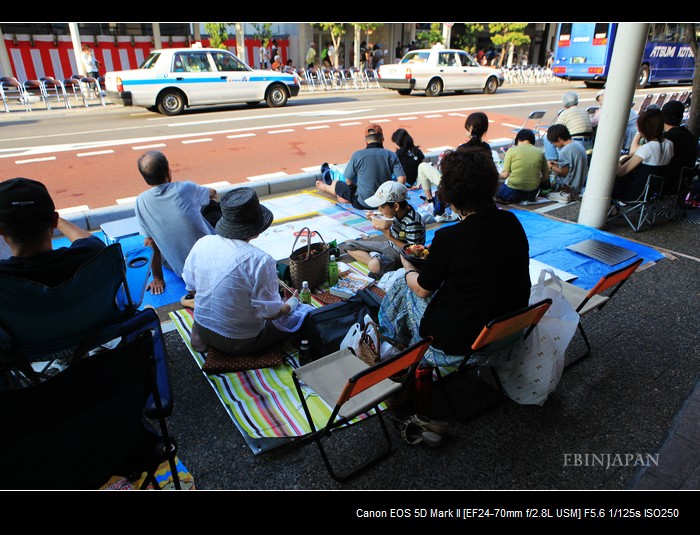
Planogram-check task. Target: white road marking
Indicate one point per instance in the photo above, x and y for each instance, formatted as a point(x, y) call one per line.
point(94, 153)
point(34, 160)
point(317, 127)
point(152, 146)
point(354, 123)
point(313, 169)
point(126, 200)
point(284, 131)
point(433, 116)
point(407, 118)
point(235, 136)
point(511, 125)
point(203, 140)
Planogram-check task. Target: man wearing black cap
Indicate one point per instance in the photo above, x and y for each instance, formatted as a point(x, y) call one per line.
point(367, 169)
point(685, 144)
point(28, 219)
point(235, 284)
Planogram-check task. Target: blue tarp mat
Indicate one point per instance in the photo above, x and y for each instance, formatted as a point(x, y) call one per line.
point(548, 240)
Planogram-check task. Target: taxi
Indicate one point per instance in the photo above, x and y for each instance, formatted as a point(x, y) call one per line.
point(172, 79)
point(437, 70)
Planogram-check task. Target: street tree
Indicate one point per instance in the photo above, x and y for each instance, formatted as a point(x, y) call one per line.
point(217, 34)
point(469, 36)
point(431, 37)
point(508, 35)
point(337, 30)
point(367, 27)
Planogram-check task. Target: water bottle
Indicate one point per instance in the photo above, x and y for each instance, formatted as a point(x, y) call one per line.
point(332, 271)
point(305, 293)
point(424, 384)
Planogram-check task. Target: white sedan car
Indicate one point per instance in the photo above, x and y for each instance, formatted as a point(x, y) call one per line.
point(172, 79)
point(436, 70)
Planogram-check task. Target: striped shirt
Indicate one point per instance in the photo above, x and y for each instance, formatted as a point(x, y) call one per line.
point(409, 229)
point(576, 120)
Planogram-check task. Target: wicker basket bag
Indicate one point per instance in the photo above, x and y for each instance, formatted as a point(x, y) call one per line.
point(309, 262)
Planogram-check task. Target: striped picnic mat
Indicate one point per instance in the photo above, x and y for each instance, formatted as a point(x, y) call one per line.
point(262, 403)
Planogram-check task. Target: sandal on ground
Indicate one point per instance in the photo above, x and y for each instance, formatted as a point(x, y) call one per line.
point(187, 301)
point(428, 424)
point(412, 433)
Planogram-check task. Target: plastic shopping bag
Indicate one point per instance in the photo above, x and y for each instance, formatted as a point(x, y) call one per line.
point(534, 373)
point(352, 338)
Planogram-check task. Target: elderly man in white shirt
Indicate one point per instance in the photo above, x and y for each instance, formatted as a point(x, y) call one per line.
point(238, 308)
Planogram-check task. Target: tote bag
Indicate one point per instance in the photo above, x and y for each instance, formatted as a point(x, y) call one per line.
point(535, 371)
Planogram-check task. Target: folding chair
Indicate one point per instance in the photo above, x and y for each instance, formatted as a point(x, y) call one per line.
point(594, 299)
point(75, 317)
point(536, 116)
point(352, 388)
point(85, 425)
point(12, 89)
point(646, 206)
point(56, 88)
point(495, 344)
point(645, 103)
point(660, 100)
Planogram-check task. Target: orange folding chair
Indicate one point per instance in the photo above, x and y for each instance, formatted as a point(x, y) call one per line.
point(594, 299)
point(495, 344)
point(351, 388)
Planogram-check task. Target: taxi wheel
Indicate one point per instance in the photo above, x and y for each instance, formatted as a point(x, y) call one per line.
point(276, 96)
point(491, 86)
point(171, 102)
point(404, 91)
point(434, 88)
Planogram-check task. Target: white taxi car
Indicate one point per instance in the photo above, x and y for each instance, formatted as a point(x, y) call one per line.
point(437, 70)
point(172, 79)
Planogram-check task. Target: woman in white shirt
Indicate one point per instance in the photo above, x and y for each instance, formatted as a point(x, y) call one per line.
point(650, 153)
point(237, 305)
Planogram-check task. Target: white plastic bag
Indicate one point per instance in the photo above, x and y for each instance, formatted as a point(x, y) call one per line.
point(352, 338)
point(535, 372)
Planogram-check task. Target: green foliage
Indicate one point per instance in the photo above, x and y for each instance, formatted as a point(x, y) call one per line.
point(432, 37)
point(467, 40)
point(367, 27)
point(337, 30)
point(217, 33)
point(504, 33)
point(263, 32)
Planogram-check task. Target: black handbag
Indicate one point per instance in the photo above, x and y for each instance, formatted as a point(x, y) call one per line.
point(325, 327)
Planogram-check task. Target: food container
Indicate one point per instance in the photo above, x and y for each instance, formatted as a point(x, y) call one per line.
point(380, 222)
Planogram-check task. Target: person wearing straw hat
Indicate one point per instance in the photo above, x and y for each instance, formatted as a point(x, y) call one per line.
point(238, 309)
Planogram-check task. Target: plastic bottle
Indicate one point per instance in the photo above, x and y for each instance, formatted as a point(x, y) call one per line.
point(304, 354)
point(305, 293)
point(332, 271)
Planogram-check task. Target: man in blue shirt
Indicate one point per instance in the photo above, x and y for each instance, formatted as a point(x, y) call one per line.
point(170, 216)
point(367, 169)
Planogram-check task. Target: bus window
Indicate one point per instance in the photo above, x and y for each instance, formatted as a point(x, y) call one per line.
point(600, 33)
point(564, 34)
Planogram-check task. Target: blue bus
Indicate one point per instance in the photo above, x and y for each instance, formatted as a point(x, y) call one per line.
point(583, 52)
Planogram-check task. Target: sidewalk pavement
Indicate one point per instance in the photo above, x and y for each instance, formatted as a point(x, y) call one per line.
point(636, 394)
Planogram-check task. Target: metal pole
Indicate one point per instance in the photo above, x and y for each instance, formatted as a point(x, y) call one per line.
point(614, 115)
point(77, 49)
point(5, 65)
point(157, 39)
